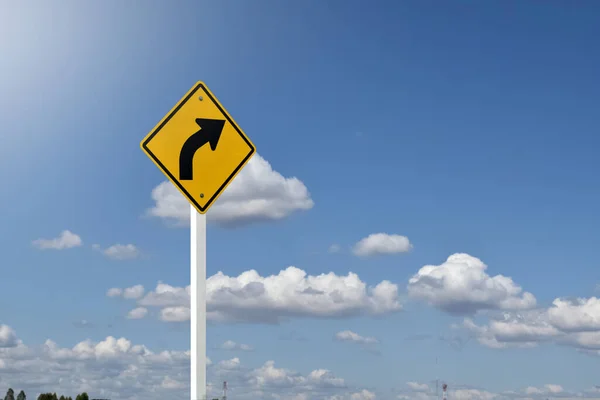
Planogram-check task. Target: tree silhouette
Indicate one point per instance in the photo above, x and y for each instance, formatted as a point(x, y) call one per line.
point(51, 396)
point(10, 395)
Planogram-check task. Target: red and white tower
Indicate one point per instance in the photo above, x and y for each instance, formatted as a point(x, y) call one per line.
point(225, 390)
point(444, 392)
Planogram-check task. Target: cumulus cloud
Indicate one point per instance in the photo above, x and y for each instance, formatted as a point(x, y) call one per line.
point(363, 395)
point(358, 395)
point(567, 322)
point(134, 292)
point(111, 368)
point(118, 368)
point(269, 376)
point(419, 391)
point(175, 314)
point(114, 292)
point(231, 345)
point(272, 382)
point(250, 297)
point(418, 387)
point(349, 336)
point(422, 391)
point(257, 194)
point(8, 337)
point(233, 363)
point(462, 286)
point(472, 394)
point(121, 252)
point(381, 244)
point(547, 389)
point(507, 333)
point(137, 313)
point(66, 240)
point(575, 315)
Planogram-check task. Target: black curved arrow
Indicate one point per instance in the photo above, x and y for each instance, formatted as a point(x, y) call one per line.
point(210, 132)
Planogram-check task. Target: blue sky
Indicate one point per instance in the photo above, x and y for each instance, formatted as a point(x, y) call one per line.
point(465, 127)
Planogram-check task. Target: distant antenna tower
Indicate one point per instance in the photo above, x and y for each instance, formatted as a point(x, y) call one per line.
point(437, 392)
point(225, 390)
point(444, 392)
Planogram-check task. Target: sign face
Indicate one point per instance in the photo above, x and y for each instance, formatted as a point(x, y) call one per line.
point(199, 147)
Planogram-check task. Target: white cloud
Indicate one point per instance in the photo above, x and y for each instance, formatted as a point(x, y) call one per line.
point(122, 252)
point(575, 315)
point(114, 292)
point(258, 193)
point(131, 293)
point(349, 336)
point(533, 390)
point(547, 389)
point(270, 377)
point(250, 297)
point(111, 368)
point(175, 314)
point(134, 292)
point(334, 248)
point(512, 331)
point(569, 323)
point(234, 363)
point(118, 368)
point(363, 395)
point(418, 387)
point(553, 388)
point(137, 313)
point(420, 391)
point(472, 394)
point(424, 392)
point(380, 244)
point(8, 337)
point(66, 240)
point(231, 345)
point(359, 395)
point(170, 383)
point(325, 378)
point(166, 295)
point(461, 286)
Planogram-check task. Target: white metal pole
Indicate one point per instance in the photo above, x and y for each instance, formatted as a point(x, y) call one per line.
point(198, 304)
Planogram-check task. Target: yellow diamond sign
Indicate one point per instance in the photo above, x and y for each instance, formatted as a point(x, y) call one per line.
point(199, 147)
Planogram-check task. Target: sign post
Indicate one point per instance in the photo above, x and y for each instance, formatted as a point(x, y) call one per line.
point(201, 149)
point(198, 304)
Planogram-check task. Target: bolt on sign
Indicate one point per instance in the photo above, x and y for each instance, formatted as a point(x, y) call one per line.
point(199, 147)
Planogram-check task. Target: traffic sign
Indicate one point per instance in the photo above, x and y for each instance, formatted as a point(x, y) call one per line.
point(199, 147)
